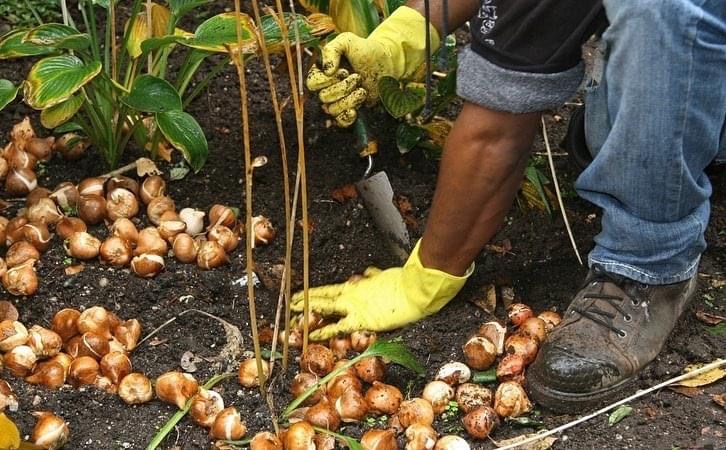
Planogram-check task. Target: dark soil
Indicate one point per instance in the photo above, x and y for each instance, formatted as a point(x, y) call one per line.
point(541, 267)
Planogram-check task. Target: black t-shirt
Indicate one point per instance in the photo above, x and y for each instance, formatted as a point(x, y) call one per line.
point(542, 36)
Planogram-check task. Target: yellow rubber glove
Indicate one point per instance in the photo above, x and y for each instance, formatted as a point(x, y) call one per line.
point(396, 48)
point(382, 300)
point(9, 434)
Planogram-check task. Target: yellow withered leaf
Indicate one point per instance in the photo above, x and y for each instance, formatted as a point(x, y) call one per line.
point(703, 379)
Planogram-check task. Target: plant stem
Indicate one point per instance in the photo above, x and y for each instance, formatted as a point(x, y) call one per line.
point(179, 415)
point(285, 289)
point(238, 60)
point(150, 33)
point(296, 90)
point(202, 84)
point(114, 53)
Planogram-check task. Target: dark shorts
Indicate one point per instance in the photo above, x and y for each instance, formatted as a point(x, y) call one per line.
point(525, 55)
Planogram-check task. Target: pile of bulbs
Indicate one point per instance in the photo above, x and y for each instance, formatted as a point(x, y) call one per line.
point(80, 348)
point(114, 201)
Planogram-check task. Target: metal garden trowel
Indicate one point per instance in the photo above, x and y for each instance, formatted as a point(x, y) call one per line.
point(377, 194)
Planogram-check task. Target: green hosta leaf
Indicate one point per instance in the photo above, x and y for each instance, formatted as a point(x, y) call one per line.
point(273, 34)
point(315, 6)
point(386, 7)
point(59, 36)
point(61, 113)
point(12, 46)
point(8, 92)
point(218, 33)
point(185, 134)
point(408, 136)
point(619, 414)
point(155, 43)
point(54, 79)
point(356, 16)
point(153, 94)
point(68, 127)
point(401, 100)
point(180, 7)
point(446, 87)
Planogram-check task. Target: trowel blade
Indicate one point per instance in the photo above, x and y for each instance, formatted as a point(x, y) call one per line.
point(377, 195)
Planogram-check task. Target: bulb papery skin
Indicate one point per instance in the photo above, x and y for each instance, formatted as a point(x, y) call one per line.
point(92, 209)
point(420, 437)
point(495, 333)
point(228, 425)
point(480, 353)
point(205, 407)
point(21, 280)
point(121, 203)
point(116, 251)
point(379, 440)
point(454, 373)
point(95, 319)
point(152, 187)
point(69, 225)
point(534, 327)
point(157, 207)
point(115, 366)
point(194, 220)
point(370, 369)
point(248, 374)
point(147, 265)
point(361, 340)
point(511, 400)
point(351, 406)
point(211, 255)
point(317, 359)
point(12, 334)
point(20, 361)
point(50, 374)
point(551, 319)
point(135, 388)
point(383, 398)
point(185, 248)
point(128, 333)
point(20, 253)
point(44, 342)
point(301, 383)
point(83, 245)
point(470, 396)
point(324, 415)
point(126, 230)
point(263, 230)
point(221, 215)
point(300, 436)
point(265, 441)
point(50, 432)
point(415, 411)
point(83, 370)
point(526, 346)
point(518, 313)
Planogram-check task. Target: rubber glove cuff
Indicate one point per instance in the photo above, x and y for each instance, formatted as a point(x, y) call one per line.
point(431, 289)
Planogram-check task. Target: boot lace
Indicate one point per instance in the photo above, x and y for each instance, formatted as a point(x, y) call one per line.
point(601, 316)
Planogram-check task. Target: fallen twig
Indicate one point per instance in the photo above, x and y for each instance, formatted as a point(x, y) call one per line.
point(708, 367)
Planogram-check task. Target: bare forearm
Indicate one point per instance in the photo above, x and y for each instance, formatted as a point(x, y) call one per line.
point(480, 174)
point(459, 12)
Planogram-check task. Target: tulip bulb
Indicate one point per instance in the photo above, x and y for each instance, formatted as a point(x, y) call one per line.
point(384, 398)
point(249, 375)
point(551, 319)
point(300, 436)
point(342, 383)
point(351, 406)
point(452, 442)
point(20, 360)
point(480, 422)
point(510, 400)
point(471, 396)
point(66, 195)
point(224, 236)
point(37, 235)
point(317, 359)
point(147, 265)
point(176, 388)
point(152, 187)
point(22, 132)
point(115, 251)
point(439, 394)
point(41, 148)
point(95, 319)
point(115, 366)
point(3, 230)
point(370, 369)
point(339, 345)
point(135, 388)
point(83, 371)
point(211, 255)
point(361, 340)
point(222, 215)
point(4, 168)
point(13, 230)
point(479, 353)
point(69, 225)
point(194, 220)
point(50, 432)
point(20, 253)
point(495, 333)
point(454, 373)
point(301, 383)
point(518, 313)
point(379, 440)
point(535, 327)
point(185, 248)
point(228, 425)
point(64, 360)
point(158, 206)
point(44, 342)
point(526, 346)
point(92, 208)
point(83, 245)
point(44, 211)
point(50, 374)
point(35, 196)
point(91, 186)
point(20, 181)
point(123, 182)
point(21, 280)
point(416, 411)
point(206, 406)
point(8, 400)
point(263, 230)
point(94, 345)
point(71, 146)
point(20, 159)
point(323, 415)
point(126, 230)
point(420, 437)
point(121, 203)
point(12, 334)
point(151, 242)
point(169, 229)
point(128, 333)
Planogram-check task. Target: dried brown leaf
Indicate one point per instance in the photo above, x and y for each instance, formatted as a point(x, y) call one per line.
point(500, 249)
point(74, 269)
point(703, 379)
point(488, 299)
point(145, 166)
point(406, 209)
point(156, 341)
point(711, 319)
point(344, 193)
point(689, 392)
point(720, 399)
point(542, 444)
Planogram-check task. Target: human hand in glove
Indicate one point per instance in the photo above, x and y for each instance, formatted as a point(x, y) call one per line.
point(396, 48)
point(383, 299)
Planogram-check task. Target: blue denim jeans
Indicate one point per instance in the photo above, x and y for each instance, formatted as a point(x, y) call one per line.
point(653, 124)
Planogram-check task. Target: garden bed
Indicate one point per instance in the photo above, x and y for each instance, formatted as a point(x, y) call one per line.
point(540, 267)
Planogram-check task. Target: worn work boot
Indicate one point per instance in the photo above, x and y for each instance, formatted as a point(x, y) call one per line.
point(613, 328)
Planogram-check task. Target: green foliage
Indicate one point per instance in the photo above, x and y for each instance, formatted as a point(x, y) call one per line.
point(114, 96)
point(619, 414)
point(25, 13)
point(451, 412)
point(376, 421)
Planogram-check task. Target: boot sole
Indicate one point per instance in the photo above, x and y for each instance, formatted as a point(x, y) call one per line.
point(569, 403)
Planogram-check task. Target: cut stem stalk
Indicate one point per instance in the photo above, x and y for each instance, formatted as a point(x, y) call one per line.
point(238, 59)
